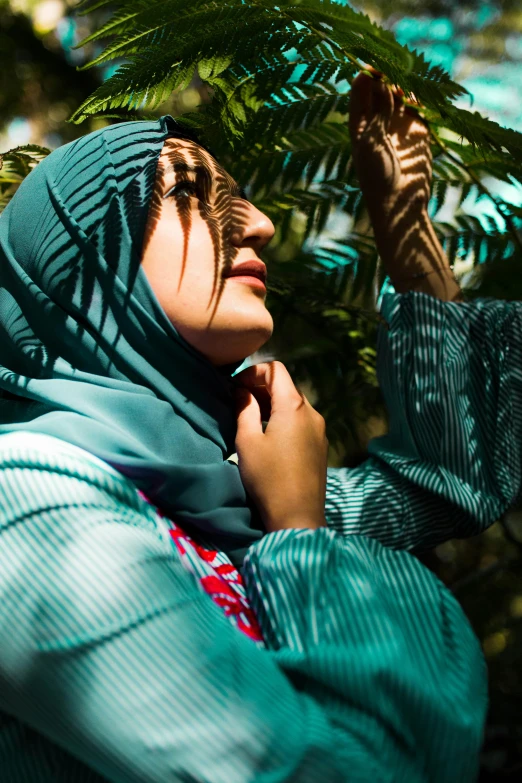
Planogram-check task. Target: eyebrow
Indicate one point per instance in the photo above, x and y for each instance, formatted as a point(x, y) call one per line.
point(237, 190)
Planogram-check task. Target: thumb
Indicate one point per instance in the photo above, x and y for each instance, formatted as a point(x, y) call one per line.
point(248, 416)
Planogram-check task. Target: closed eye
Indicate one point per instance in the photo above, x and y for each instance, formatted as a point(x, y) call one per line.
point(186, 188)
point(183, 189)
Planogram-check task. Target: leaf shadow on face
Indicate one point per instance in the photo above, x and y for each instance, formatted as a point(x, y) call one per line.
point(66, 309)
point(219, 203)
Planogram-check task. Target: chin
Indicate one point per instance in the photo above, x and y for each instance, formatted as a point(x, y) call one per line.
point(236, 345)
point(231, 338)
point(229, 356)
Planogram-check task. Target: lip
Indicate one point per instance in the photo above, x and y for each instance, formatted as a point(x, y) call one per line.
point(252, 270)
point(255, 282)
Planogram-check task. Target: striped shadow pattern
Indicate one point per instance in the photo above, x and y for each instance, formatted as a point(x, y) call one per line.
point(115, 666)
point(450, 465)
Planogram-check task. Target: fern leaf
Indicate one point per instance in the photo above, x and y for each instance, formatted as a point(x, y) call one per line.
point(15, 165)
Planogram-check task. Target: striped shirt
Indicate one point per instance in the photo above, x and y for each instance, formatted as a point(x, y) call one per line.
point(115, 665)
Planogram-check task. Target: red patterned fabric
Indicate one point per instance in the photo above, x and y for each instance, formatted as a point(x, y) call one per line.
point(217, 577)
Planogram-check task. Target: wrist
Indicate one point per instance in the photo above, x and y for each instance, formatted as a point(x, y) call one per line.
point(410, 251)
point(396, 221)
point(415, 251)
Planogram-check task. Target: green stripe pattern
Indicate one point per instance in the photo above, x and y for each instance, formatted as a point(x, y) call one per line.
point(450, 465)
point(115, 666)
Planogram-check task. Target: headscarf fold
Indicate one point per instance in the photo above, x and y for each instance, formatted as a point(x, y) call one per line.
point(87, 353)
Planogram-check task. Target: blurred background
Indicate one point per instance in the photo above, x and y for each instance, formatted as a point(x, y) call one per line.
point(480, 44)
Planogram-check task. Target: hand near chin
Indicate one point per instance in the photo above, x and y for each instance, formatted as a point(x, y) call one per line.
point(391, 150)
point(283, 468)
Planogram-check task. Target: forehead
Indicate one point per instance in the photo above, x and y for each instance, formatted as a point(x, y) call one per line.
point(182, 155)
point(189, 151)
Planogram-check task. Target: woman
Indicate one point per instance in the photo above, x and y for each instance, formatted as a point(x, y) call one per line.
point(129, 547)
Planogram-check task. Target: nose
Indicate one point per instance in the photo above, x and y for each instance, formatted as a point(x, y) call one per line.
point(256, 228)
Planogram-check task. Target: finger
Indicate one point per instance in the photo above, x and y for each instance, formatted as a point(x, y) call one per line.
point(383, 103)
point(360, 104)
point(256, 375)
point(371, 107)
point(263, 398)
point(277, 381)
point(248, 417)
point(254, 379)
point(374, 72)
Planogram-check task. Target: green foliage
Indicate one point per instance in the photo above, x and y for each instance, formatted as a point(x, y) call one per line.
point(279, 76)
point(277, 79)
point(15, 165)
point(274, 85)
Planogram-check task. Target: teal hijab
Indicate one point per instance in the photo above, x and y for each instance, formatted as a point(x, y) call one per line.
point(87, 353)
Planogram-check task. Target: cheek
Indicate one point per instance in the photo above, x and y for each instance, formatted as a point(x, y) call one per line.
point(182, 283)
point(199, 239)
point(167, 242)
point(164, 241)
point(173, 234)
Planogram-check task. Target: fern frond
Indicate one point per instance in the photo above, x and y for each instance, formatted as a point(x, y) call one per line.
point(238, 28)
point(469, 237)
point(127, 87)
point(87, 6)
point(15, 165)
point(484, 134)
point(495, 163)
point(298, 107)
point(233, 42)
point(298, 158)
point(358, 36)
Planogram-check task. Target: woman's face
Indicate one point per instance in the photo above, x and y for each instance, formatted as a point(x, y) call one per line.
point(200, 226)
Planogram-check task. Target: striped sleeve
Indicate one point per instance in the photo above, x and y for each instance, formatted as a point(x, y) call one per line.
point(383, 646)
point(450, 465)
point(116, 667)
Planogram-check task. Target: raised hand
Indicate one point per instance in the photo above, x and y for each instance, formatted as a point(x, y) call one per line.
point(392, 159)
point(391, 149)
